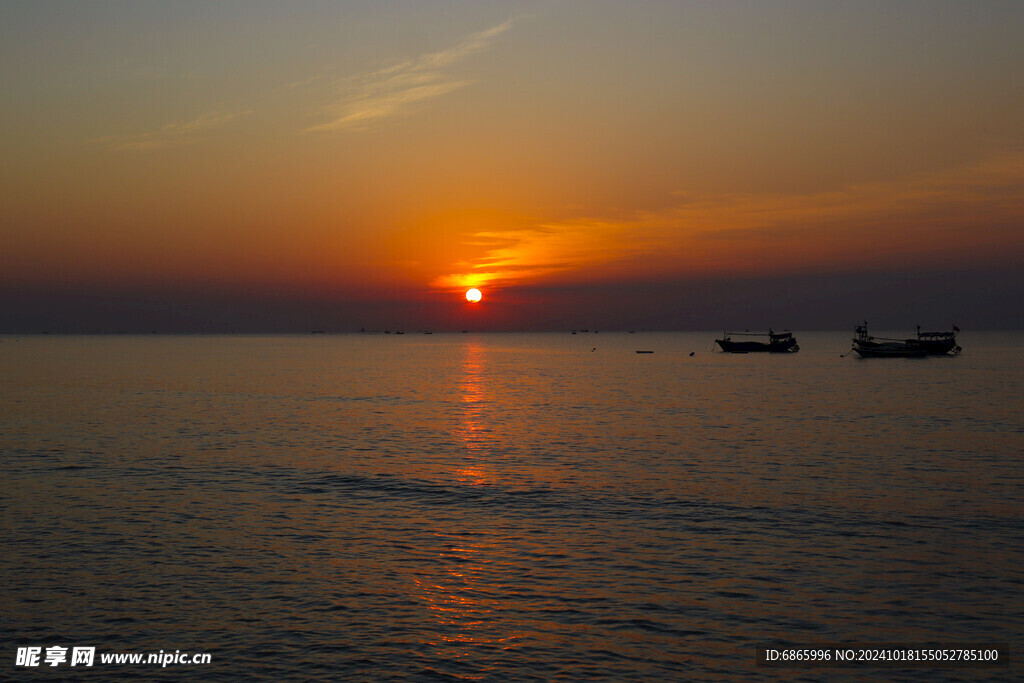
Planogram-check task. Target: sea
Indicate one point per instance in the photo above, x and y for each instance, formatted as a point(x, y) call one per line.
point(485, 507)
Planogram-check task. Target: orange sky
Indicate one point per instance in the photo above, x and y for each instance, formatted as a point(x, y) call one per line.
point(354, 151)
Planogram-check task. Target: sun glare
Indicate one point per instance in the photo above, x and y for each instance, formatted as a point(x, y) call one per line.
point(473, 295)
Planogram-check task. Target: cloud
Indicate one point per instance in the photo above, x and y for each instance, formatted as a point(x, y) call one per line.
point(989, 191)
point(527, 254)
point(171, 135)
point(960, 215)
point(394, 90)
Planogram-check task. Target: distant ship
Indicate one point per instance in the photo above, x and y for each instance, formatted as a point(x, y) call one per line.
point(770, 342)
point(867, 346)
point(926, 344)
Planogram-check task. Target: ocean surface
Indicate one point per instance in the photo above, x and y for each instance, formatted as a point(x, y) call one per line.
point(504, 506)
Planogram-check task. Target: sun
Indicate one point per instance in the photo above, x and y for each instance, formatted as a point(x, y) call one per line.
point(473, 295)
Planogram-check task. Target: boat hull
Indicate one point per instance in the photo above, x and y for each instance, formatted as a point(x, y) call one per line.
point(889, 350)
point(729, 346)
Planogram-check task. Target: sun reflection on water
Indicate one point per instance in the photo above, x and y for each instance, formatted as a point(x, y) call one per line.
point(462, 600)
point(473, 430)
point(462, 595)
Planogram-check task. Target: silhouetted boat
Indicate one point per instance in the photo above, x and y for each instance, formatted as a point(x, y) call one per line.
point(770, 342)
point(867, 346)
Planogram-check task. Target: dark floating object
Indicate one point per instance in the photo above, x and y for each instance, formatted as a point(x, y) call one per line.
point(867, 346)
point(770, 342)
point(645, 351)
point(926, 344)
point(691, 354)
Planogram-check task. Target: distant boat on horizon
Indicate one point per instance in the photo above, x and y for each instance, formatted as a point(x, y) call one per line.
point(867, 346)
point(759, 342)
point(926, 344)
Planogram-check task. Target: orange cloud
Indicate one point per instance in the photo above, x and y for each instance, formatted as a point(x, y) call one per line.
point(950, 215)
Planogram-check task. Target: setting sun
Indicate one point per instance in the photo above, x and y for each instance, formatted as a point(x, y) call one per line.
point(473, 295)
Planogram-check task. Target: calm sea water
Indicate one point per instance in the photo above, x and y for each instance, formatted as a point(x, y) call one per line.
point(496, 507)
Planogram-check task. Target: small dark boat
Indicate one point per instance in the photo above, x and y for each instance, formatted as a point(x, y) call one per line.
point(770, 342)
point(867, 346)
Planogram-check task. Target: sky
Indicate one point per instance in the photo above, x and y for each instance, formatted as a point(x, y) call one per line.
point(260, 166)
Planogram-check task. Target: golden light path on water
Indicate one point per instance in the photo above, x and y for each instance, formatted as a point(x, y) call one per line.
point(470, 568)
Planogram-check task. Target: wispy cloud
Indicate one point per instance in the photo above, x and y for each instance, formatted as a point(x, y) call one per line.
point(527, 254)
point(305, 81)
point(171, 135)
point(947, 217)
point(394, 90)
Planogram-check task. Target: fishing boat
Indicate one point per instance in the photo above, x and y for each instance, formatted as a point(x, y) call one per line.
point(754, 342)
point(939, 343)
point(867, 346)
